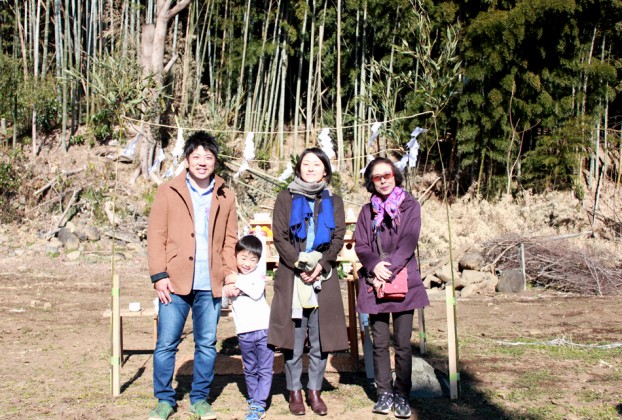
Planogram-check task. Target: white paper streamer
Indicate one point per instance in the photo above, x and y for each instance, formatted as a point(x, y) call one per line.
point(286, 173)
point(178, 150)
point(159, 159)
point(414, 135)
point(244, 166)
point(249, 147)
point(326, 143)
point(375, 131)
point(248, 154)
point(131, 148)
point(369, 159)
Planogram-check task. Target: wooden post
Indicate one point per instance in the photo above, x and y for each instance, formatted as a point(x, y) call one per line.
point(452, 340)
point(422, 336)
point(115, 359)
point(522, 265)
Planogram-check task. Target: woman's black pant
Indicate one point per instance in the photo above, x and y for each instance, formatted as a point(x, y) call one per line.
point(402, 332)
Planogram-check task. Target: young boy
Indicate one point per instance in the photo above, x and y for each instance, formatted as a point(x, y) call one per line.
point(251, 314)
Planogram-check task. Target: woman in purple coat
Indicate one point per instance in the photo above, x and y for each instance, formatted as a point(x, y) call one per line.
point(394, 217)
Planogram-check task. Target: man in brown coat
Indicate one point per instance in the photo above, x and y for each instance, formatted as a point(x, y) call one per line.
point(192, 234)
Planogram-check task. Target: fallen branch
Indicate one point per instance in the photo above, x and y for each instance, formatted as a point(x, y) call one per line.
point(557, 265)
point(55, 180)
point(59, 223)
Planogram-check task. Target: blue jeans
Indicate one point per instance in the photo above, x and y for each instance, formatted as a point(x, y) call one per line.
point(171, 320)
point(258, 360)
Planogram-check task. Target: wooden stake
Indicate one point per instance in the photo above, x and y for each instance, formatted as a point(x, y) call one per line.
point(452, 341)
point(522, 265)
point(422, 336)
point(115, 359)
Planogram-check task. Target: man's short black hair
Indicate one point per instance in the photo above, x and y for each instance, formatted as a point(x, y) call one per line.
point(201, 139)
point(369, 184)
point(322, 156)
point(251, 244)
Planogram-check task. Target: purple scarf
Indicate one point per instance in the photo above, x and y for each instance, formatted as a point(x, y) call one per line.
point(390, 207)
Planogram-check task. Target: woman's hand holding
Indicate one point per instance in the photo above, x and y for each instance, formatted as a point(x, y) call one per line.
point(310, 276)
point(378, 286)
point(381, 271)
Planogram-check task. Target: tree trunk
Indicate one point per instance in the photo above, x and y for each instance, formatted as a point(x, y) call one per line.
point(299, 81)
point(339, 121)
point(242, 65)
point(152, 60)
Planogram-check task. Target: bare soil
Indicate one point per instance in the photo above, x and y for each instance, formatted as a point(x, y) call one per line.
point(56, 351)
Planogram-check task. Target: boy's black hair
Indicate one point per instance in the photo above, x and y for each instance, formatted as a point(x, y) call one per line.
point(198, 139)
point(322, 156)
point(249, 243)
point(369, 184)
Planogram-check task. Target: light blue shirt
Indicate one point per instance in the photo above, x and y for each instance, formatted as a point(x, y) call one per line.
point(311, 226)
point(201, 204)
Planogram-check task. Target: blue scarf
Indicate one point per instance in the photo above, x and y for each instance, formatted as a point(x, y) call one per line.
point(301, 212)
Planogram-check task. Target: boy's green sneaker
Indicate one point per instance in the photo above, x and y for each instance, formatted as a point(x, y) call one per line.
point(203, 410)
point(162, 411)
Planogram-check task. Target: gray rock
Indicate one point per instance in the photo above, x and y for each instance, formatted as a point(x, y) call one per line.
point(73, 255)
point(92, 233)
point(52, 249)
point(425, 382)
point(470, 290)
point(123, 236)
point(470, 277)
point(69, 239)
point(471, 261)
point(81, 235)
point(489, 285)
point(432, 281)
point(510, 281)
point(71, 226)
point(444, 274)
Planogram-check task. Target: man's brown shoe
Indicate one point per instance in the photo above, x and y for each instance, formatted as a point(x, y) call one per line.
point(317, 404)
point(296, 404)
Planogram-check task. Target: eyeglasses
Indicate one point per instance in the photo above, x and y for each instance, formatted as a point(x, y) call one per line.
point(378, 178)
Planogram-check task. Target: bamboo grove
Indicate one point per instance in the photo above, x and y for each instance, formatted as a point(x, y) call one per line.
point(514, 94)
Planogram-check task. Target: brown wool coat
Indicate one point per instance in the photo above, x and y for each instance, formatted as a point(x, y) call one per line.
point(170, 235)
point(333, 334)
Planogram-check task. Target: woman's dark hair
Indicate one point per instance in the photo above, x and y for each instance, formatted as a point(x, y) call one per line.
point(251, 244)
point(321, 155)
point(369, 184)
point(201, 139)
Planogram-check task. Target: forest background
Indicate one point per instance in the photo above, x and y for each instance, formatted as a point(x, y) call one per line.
point(515, 95)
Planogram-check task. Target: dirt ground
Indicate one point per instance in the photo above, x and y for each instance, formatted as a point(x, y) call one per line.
point(56, 350)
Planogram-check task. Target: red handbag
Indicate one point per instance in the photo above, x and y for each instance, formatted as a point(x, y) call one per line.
point(397, 289)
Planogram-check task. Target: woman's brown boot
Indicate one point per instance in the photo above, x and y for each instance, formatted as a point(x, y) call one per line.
point(296, 404)
point(317, 404)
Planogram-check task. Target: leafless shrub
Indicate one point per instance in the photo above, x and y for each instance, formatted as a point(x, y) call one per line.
point(554, 263)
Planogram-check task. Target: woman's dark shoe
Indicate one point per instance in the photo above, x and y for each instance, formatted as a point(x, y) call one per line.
point(317, 404)
point(296, 404)
point(401, 409)
point(384, 404)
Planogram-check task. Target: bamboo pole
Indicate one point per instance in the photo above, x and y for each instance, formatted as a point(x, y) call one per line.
point(299, 81)
point(242, 64)
point(308, 116)
point(339, 121)
point(115, 359)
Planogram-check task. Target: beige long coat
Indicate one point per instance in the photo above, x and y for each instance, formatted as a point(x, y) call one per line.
point(170, 235)
point(333, 333)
